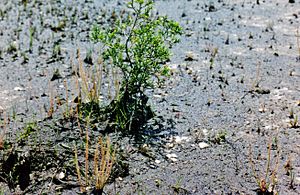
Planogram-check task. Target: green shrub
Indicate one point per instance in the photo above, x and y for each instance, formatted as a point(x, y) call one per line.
point(138, 43)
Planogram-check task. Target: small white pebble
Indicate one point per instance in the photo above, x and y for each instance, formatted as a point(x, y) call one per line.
point(170, 145)
point(61, 175)
point(203, 145)
point(205, 132)
point(179, 139)
point(268, 127)
point(172, 157)
point(157, 96)
point(157, 161)
point(19, 89)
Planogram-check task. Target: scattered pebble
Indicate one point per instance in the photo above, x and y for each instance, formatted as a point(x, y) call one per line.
point(156, 96)
point(61, 175)
point(19, 89)
point(157, 161)
point(205, 132)
point(172, 157)
point(203, 145)
point(262, 110)
point(170, 145)
point(190, 56)
point(153, 166)
point(180, 140)
point(268, 127)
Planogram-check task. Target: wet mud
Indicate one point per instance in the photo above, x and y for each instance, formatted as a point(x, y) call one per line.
point(233, 95)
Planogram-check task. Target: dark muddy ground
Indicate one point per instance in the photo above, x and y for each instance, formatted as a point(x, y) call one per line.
point(235, 83)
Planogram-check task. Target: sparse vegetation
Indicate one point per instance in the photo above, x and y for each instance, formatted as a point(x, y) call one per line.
point(138, 44)
point(294, 122)
point(104, 159)
point(266, 184)
point(98, 104)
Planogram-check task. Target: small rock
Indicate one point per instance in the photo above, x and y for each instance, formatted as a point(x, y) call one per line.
point(268, 127)
point(190, 56)
point(262, 110)
point(203, 145)
point(153, 166)
point(170, 145)
point(205, 132)
point(172, 157)
point(61, 175)
point(157, 161)
point(157, 96)
point(19, 89)
point(189, 71)
point(179, 139)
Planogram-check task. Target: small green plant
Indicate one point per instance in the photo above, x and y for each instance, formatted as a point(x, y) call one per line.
point(291, 114)
point(178, 189)
point(56, 51)
point(294, 122)
point(31, 36)
point(25, 58)
point(219, 137)
point(213, 54)
point(177, 185)
point(12, 48)
point(138, 44)
point(29, 128)
point(25, 2)
point(60, 26)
